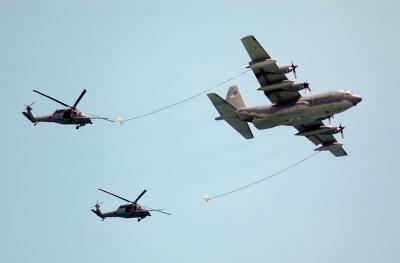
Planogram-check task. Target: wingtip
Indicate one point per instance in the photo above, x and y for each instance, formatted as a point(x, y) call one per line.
point(246, 37)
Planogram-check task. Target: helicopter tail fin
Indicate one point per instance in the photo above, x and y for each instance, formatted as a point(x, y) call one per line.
point(98, 211)
point(29, 115)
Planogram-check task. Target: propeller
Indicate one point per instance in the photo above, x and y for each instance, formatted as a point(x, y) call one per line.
point(96, 205)
point(306, 87)
point(116, 196)
point(29, 107)
point(330, 117)
point(79, 99)
point(129, 201)
point(140, 196)
point(341, 128)
point(293, 68)
point(62, 103)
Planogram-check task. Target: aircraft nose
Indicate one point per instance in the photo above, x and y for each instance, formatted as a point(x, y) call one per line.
point(356, 99)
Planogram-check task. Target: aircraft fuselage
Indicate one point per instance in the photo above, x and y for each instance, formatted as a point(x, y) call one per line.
point(305, 110)
point(128, 211)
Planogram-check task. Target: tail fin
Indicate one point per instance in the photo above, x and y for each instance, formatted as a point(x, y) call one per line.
point(98, 211)
point(228, 113)
point(235, 97)
point(29, 115)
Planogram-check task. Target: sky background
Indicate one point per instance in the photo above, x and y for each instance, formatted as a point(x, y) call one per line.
point(133, 57)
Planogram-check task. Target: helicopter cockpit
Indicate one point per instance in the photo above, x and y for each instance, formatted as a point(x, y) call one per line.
point(128, 208)
point(347, 92)
point(59, 111)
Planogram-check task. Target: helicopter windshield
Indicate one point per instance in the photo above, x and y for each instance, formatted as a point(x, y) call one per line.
point(348, 92)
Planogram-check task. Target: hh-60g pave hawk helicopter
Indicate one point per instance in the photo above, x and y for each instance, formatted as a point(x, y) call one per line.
point(131, 210)
point(70, 116)
point(289, 108)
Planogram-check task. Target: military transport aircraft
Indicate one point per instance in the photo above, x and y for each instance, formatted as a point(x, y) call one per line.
point(289, 108)
point(70, 116)
point(131, 210)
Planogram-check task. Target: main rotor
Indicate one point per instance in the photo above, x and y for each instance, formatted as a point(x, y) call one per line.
point(62, 103)
point(134, 203)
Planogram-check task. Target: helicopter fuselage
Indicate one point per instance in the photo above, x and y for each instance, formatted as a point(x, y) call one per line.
point(61, 116)
point(67, 116)
point(125, 211)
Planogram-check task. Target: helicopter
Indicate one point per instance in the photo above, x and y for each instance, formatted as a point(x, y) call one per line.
point(131, 210)
point(70, 116)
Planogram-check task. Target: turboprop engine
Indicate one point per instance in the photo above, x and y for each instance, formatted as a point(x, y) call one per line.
point(287, 85)
point(270, 66)
point(322, 130)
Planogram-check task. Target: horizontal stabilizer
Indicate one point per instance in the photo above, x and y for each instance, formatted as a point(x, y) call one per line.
point(335, 148)
point(228, 113)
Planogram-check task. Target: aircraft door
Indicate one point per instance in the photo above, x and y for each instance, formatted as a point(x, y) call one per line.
point(67, 114)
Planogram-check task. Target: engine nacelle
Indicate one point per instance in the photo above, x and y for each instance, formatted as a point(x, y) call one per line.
point(322, 130)
point(301, 86)
point(267, 64)
point(319, 130)
point(286, 85)
point(284, 70)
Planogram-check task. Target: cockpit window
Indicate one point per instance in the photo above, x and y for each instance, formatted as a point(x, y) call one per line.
point(347, 92)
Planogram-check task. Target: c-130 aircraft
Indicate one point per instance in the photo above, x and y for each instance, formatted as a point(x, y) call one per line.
point(289, 108)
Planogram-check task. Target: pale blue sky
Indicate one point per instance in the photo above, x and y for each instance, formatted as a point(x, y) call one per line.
point(134, 57)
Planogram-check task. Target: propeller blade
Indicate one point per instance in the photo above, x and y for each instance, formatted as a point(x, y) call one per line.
point(115, 195)
point(97, 204)
point(330, 118)
point(30, 104)
point(79, 99)
point(294, 70)
point(62, 103)
point(341, 128)
point(307, 87)
point(140, 196)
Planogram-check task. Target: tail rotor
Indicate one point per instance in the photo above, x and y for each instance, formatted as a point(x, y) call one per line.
point(97, 205)
point(29, 107)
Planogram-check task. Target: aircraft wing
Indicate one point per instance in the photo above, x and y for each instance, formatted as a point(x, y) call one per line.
point(266, 73)
point(327, 141)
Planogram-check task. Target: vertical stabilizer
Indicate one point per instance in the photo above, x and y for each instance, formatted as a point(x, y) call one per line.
point(235, 97)
point(98, 211)
point(29, 115)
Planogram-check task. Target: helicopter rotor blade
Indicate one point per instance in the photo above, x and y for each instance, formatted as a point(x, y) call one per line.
point(140, 196)
point(30, 105)
point(47, 96)
point(129, 201)
point(79, 99)
point(97, 204)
